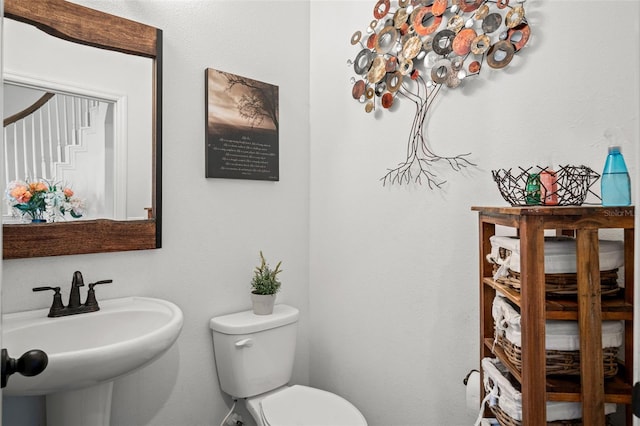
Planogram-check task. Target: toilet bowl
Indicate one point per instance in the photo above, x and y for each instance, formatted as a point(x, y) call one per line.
point(302, 405)
point(254, 357)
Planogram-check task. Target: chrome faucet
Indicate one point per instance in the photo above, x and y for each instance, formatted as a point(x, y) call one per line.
point(74, 307)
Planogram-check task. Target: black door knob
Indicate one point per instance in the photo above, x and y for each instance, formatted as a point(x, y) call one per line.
point(31, 363)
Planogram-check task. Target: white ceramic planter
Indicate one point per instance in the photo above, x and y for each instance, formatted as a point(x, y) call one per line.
point(263, 303)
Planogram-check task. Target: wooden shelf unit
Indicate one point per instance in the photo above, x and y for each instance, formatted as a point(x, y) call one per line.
point(588, 308)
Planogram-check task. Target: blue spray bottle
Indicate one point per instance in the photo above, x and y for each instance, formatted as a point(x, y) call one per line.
point(615, 183)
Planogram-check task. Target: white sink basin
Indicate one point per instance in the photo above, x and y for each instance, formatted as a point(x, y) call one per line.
point(93, 348)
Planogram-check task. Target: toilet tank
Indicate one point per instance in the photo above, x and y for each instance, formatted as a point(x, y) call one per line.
point(254, 353)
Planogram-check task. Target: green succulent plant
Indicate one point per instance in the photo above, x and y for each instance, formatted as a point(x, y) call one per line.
point(265, 279)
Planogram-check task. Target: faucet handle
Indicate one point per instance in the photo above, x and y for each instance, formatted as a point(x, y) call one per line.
point(91, 302)
point(100, 282)
point(56, 289)
point(57, 304)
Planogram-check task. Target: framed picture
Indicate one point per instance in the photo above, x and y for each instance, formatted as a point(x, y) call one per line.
point(241, 127)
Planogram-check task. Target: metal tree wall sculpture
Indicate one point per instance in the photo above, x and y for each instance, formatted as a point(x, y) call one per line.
point(415, 48)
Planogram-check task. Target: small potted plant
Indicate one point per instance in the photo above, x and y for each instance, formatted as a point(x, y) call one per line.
point(264, 286)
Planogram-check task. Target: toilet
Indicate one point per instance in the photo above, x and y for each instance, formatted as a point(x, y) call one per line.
point(254, 357)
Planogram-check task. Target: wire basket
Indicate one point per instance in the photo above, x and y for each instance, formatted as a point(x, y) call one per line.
point(573, 185)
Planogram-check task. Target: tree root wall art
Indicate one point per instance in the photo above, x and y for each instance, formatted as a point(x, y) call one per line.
point(414, 48)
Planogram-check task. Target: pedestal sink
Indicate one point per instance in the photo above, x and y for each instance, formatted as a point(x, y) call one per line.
point(87, 352)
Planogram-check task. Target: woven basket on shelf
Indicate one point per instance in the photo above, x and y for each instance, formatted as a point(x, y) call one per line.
point(560, 362)
point(497, 378)
point(505, 420)
point(565, 284)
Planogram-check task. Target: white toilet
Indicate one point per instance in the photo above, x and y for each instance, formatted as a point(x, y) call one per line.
point(254, 358)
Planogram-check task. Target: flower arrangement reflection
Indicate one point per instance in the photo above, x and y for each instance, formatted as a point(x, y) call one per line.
point(42, 201)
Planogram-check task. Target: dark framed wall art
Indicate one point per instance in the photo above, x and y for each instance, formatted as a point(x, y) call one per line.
point(241, 127)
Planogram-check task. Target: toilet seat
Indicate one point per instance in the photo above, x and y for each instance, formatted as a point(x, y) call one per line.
point(304, 406)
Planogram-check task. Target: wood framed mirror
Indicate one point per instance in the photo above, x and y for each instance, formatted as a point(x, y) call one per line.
point(79, 24)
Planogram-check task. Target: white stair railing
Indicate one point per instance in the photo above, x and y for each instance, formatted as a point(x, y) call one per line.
point(36, 144)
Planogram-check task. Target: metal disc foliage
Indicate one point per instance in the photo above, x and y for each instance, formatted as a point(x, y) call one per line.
point(412, 49)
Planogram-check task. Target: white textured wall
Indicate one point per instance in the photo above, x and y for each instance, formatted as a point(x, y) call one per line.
point(394, 281)
point(393, 287)
point(213, 229)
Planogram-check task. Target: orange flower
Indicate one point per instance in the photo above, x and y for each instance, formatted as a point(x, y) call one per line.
point(21, 194)
point(68, 192)
point(37, 187)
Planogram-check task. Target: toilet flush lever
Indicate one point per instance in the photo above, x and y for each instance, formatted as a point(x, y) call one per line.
point(244, 343)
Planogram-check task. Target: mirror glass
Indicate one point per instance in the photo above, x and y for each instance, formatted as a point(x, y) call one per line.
point(83, 112)
point(63, 139)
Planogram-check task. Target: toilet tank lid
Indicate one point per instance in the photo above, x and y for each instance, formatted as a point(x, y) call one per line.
point(247, 322)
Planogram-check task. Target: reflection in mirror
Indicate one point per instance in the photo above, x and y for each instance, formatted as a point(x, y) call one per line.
point(76, 157)
point(82, 100)
point(75, 140)
point(64, 140)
